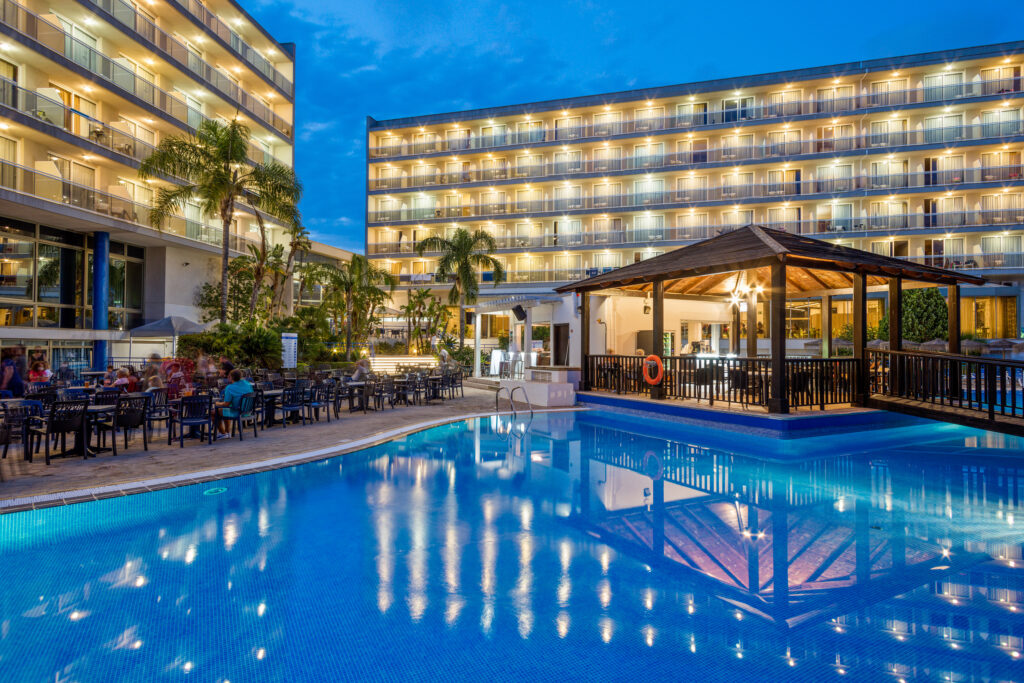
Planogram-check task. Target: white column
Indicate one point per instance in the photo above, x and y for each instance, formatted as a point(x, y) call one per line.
point(551, 340)
point(477, 324)
point(528, 340)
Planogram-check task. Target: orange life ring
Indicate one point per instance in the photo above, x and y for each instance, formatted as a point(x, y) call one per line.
point(661, 370)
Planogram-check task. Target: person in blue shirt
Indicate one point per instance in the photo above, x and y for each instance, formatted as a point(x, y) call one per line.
point(228, 407)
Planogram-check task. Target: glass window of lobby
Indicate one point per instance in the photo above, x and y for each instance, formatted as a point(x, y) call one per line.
point(917, 157)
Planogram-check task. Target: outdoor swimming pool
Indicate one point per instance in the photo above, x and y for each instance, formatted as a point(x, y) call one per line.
point(587, 545)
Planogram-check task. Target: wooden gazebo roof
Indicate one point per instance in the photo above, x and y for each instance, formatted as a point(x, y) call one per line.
point(719, 265)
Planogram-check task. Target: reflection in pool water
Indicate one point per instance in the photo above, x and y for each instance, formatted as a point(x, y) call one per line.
point(586, 545)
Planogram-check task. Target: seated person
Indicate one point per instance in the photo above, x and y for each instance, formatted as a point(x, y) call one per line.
point(362, 370)
point(228, 407)
point(39, 372)
point(122, 382)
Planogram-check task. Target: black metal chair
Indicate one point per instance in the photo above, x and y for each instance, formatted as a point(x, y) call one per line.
point(245, 413)
point(317, 398)
point(16, 418)
point(291, 403)
point(159, 409)
point(194, 412)
point(130, 412)
point(106, 397)
point(63, 417)
point(384, 390)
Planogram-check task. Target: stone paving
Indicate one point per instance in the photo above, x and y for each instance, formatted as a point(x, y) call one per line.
point(19, 478)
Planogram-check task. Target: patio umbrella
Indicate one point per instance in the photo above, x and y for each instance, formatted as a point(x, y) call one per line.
point(935, 346)
point(842, 344)
point(169, 327)
point(1001, 345)
point(878, 344)
point(971, 345)
point(911, 345)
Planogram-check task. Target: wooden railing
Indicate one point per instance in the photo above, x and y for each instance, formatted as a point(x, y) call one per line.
point(986, 386)
point(747, 381)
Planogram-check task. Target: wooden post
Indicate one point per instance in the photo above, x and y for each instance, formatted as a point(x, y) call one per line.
point(779, 401)
point(585, 341)
point(734, 330)
point(658, 332)
point(895, 314)
point(953, 307)
point(826, 326)
point(860, 335)
point(752, 324)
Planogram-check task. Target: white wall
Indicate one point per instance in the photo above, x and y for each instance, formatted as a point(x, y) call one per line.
point(625, 317)
point(174, 276)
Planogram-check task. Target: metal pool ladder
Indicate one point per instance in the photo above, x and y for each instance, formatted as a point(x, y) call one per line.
point(512, 404)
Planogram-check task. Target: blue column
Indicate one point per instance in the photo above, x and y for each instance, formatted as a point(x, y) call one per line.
point(100, 295)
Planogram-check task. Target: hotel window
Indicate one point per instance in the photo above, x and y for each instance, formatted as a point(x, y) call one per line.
point(1001, 251)
point(783, 142)
point(494, 168)
point(943, 86)
point(889, 173)
point(607, 230)
point(639, 256)
point(568, 197)
point(529, 165)
point(424, 174)
point(457, 172)
point(527, 131)
point(888, 133)
point(648, 154)
point(783, 181)
point(692, 188)
point(945, 170)
point(607, 194)
point(834, 138)
point(784, 218)
point(835, 217)
point(529, 200)
point(567, 266)
point(737, 146)
point(691, 221)
point(1004, 207)
point(650, 118)
point(568, 162)
point(8, 159)
point(493, 202)
point(139, 193)
point(607, 261)
point(494, 135)
point(892, 248)
point(1001, 79)
point(424, 206)
point(648, 227)
point(834, 178)
point(888, 214)
point(692, 151)
point(78, 44)
point(944, 252)
point(649, 191)
point(525, 265)
point(425, 142)
point(608, 123)
point(567, 232)
point(989, 316)
point(528, 234)
point(692, 114)
point(422, 268)
point(608, 159)
point(1000, 123)
point(835, 98)
point(1000, 166)
point(389, 144)
point(8, 71)
point(737, 184)
point(457, 138)
point(453, 205)
point(944, 212)
point(890, 92)
point(77, 174)
point(737, 217)
point(568, 128)
point(737, 109)
point(16, 269)
point(76, 109)
point(783, 103)
point(944, 128)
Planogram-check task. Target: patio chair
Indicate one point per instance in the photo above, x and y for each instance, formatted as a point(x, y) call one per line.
point(291, 403)
point(106, 397)
point(16, 418)
point(63, 417)
point(245, 413)
point(317, 399)
point(457, 376)
point(130, 412)
point(194, 412)
point(47, 398)
point(159, 410)
point(384, 390)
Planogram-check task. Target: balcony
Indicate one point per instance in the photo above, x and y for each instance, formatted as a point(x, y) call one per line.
point(235, 42)
point(1009, 261)
point(511, 277)
point(676, 123)
point(669, 199)
point(177, 51)
point(768, 151)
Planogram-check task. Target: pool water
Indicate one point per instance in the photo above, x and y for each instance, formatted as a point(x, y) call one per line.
point(590, 545)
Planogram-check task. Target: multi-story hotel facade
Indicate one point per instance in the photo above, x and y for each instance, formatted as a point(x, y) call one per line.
point(917, 157)
point(87, 89)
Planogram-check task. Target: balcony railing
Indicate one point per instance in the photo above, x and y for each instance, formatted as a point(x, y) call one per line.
point(765, 151)
point(939, 222)
point(177, 51)
point(513, 276)
point(53, 37)
point(61, 191)
point(766, 112)
point(232, 39)
point(688, 196)
point(1012, 260)
point(53, 112)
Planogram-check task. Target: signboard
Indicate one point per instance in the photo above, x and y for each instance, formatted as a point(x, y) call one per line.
point(289, 350)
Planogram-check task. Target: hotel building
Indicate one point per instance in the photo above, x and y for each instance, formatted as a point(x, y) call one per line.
point(917, 157)
point(87, 88)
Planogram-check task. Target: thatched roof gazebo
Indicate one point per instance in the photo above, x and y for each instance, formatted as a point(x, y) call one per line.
point(753, 262)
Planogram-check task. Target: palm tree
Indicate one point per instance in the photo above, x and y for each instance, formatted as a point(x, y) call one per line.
point(414, 310)
point(357, 288)
point(299, 243)
point(214, 165)
point(461, 255)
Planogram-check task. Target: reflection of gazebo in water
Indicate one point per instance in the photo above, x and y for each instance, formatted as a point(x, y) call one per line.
point(783, 547)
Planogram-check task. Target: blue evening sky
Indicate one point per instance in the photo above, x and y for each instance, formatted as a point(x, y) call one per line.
point(408, 57)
